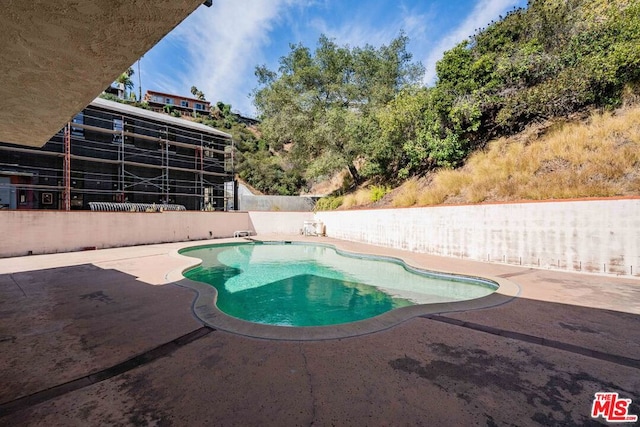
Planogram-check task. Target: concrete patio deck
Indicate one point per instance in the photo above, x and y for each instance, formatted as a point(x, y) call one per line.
point(105, 338)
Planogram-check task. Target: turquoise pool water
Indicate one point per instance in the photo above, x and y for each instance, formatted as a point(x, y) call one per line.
point(314, 285)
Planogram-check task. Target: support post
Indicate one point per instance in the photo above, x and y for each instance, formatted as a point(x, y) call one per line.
point(166, 167)
point(199, 166)
point(235, 194)
point(122, 166)
point(67, 168)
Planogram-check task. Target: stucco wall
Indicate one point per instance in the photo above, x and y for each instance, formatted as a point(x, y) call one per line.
point(596, 236)
point(275, 203)
point(278, 222)
point(37, 232)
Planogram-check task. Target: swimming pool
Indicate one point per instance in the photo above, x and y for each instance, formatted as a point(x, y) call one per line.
point(299, 284)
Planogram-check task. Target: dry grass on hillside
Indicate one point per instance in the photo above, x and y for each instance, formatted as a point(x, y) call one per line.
point(599, 158)
point(331, 185)
point(371, 195)
point(360, 197)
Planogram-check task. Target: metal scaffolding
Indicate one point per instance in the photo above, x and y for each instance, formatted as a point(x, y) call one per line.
point(109, 157)
point(66, 197)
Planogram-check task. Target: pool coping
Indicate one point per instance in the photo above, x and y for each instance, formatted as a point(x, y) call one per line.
point(205, 309)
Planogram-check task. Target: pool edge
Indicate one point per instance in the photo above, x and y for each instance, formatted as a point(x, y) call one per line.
point(205, 309)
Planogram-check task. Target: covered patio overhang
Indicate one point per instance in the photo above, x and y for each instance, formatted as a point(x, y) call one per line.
point(56, 57)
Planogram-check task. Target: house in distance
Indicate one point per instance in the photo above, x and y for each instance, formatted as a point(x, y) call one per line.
point(158, 101)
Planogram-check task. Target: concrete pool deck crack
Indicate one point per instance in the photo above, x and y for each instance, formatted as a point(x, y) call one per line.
point(149, 356)
point(17, 284)
point(518, 273)
point(559, 345)
point(310, 381)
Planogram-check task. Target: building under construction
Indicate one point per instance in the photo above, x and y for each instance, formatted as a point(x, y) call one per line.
point(113, 152)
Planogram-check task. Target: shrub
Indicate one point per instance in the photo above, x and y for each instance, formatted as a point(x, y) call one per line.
point(328, 203)
point(378, 192)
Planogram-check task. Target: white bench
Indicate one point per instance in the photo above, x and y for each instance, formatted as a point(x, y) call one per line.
point(242, 233)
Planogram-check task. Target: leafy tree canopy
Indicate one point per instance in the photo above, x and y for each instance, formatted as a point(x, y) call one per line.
point(198, 93)
point(320, 104)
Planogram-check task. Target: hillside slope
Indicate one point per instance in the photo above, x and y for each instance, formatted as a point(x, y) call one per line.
point(363, 110)
point(598, 156)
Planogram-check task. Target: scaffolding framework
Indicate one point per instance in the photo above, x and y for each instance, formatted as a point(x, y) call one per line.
point(108, 157)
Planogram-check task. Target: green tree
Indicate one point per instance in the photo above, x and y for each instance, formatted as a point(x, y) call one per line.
point(321, 104)
point(395, 152)
point(197, 93)
point(125, 80)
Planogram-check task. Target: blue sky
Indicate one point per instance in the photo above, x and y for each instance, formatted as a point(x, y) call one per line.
point(218, 48)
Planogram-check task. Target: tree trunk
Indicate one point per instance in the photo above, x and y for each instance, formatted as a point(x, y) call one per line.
point(355, 175)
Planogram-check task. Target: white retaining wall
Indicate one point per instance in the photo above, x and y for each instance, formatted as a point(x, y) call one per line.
point(596, 236)
point(275, 203)
point(278, 222)
point(39, 232)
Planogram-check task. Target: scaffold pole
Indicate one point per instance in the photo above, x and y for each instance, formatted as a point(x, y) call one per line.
point(67, 168)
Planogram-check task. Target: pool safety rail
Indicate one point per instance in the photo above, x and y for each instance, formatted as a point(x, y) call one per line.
point(133, 207)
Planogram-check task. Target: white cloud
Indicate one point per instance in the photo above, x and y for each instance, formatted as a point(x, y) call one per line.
point(483, 13)
point(223, 44)
point(360, 29)
point(356, 35)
